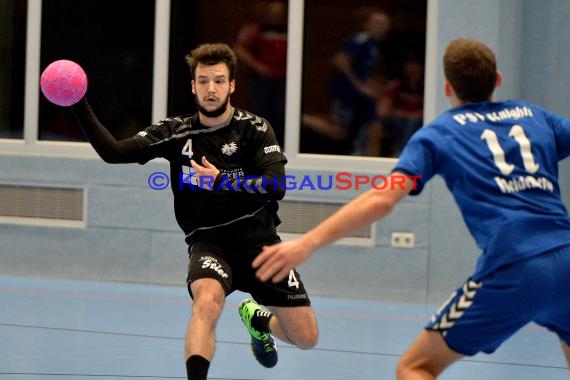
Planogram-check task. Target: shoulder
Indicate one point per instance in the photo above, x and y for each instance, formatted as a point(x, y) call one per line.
point(173, 122)
point(166, 127)
point(250, 121)
point(513, 103)
point(440, 124)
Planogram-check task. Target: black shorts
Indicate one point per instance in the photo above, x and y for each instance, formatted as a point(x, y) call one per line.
point(230, 264)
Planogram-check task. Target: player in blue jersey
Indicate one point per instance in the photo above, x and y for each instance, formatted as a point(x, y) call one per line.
point(500, 161)
point(353, 95)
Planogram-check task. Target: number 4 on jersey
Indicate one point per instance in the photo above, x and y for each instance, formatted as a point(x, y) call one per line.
point(187, 149)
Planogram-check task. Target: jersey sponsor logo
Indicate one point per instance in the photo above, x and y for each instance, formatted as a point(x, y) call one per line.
point(188, 176)
point(213, 264)
point(271, 149)
point(522, 183)
point(229, 149)
point(233, 173)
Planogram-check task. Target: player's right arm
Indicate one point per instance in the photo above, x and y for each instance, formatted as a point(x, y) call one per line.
point(108, 148)
point(275, 261)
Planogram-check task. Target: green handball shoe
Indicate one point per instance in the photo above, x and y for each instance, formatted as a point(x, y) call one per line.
point(262, 344)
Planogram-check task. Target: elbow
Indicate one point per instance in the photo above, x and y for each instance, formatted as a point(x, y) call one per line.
point(112, 158)
point(122, 152)
point(111, 161)
point(382, 207)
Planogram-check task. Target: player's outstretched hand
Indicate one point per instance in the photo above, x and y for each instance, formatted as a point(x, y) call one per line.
point(275, 261)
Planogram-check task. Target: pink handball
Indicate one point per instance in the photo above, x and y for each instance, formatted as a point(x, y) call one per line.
point(63, 82)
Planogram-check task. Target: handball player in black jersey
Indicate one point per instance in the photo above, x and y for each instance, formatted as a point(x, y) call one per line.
point(226, 173)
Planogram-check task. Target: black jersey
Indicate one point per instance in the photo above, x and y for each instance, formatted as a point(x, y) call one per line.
point(242, 148)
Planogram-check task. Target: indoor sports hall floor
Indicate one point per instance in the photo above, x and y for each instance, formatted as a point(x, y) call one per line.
point(77, 330)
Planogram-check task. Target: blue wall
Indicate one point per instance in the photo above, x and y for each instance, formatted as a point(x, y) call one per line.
point(131, 233)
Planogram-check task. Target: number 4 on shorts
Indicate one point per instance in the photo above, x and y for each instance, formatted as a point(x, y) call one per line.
point(293, 282)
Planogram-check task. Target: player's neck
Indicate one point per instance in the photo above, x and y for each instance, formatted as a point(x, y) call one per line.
point(459, 102)
point(208, 121)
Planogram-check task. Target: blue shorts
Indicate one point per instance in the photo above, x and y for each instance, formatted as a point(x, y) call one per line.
point(482, 314)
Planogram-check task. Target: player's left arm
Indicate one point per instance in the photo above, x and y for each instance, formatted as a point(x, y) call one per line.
point(276, 261)
point(109, 149)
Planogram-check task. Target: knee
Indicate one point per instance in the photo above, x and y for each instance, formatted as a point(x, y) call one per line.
point(207, 305)
point(405, 370)
point(308, 339)
point(408, 369)
point(402, 370)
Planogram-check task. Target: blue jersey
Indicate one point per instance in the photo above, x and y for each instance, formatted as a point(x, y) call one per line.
point(364, 54)
point(500, 162)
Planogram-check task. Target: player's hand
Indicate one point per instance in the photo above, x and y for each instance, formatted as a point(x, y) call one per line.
point(205, 174)
point(275, 261)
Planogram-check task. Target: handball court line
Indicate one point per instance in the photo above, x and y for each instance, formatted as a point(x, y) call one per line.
point(73, 330)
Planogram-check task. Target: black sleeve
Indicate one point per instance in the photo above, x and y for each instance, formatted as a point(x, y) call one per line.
point(270, 185)
point(108, 148)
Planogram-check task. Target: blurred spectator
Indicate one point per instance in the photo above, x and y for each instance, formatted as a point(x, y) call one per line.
point(262, 47)
point(352, 91)
point(400, 110)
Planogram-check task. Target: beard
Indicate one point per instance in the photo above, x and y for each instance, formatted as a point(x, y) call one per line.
point(216, 111)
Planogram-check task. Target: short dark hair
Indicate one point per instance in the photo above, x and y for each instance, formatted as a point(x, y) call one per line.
point(212, 54)
point(470, 67)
